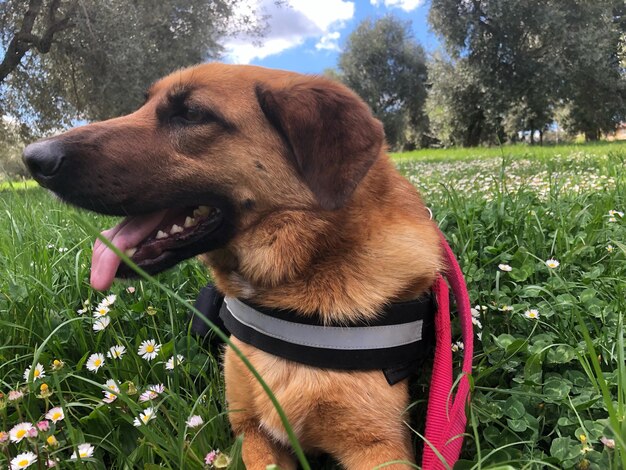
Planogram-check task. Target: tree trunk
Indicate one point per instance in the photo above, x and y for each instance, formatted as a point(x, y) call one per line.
point(541, 137)
point(592, 135)
point(24, 39)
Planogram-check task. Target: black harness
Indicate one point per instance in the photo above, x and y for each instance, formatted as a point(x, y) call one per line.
point(397, 341)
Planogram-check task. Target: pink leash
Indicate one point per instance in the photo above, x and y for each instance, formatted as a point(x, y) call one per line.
point(445, 418)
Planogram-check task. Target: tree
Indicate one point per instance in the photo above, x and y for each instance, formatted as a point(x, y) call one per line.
point(57, 17)
point(530, 56)
point(595, 85)
point(456, 105)
point(70, 60)
point(387, 68)
point(509, 48)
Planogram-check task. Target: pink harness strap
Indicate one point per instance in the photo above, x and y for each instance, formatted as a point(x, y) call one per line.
point(445, 418)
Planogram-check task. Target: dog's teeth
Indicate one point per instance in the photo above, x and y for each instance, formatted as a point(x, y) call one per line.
point(160, 234)
point(130, 252)
point(202, 211)
point(189, 222)
point(175, 229)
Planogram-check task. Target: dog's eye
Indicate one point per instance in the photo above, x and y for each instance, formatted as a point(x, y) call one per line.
point(192, 115)
point(189, 115)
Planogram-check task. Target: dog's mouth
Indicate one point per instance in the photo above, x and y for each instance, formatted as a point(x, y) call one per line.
point(154, 242)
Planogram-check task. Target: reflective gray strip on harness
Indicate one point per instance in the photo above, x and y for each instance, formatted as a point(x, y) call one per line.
point(326, 337)
point(396, 341)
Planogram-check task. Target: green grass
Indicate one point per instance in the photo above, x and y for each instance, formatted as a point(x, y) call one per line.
point(539, 385)
point(514, 151)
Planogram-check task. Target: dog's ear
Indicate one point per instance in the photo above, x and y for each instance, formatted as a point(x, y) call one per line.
point(332, 135)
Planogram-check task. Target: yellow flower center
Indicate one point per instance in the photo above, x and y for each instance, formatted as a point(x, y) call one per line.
point(44, 387)
point(21, 433)
point(56, 416)
point(51, 440)
point(97, 362)
point(36, 373)
point(149, 348)
point(83, 454)
point(23, 463)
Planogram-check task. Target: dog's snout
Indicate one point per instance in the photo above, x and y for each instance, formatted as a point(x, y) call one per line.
point(44, 158)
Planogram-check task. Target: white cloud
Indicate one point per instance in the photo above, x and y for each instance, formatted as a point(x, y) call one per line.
point(290, 26)
point(406, 5)
point(329, 42)
point(244, 52)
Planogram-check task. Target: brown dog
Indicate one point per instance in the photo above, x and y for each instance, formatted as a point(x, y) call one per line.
point(301, 209)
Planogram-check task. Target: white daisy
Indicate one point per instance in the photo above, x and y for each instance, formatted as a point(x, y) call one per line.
point(552, 263)
point(108, 300)
point(38, 373)
point(505, 267)
point(533, 314)
point(84, 309)
point(171, 362)
point(458, 346)
point(23, 460)
point(109, 396)
point(149, 349)
point(101, 311)
point(476, 322)
point(194, 421)
point(19, 431)
point(55, 414)
point(144, 418)
point(95, 361)
point(116, 352)
point(15, 395)
point(84, 451)
point(101, 323)
point(506, 308)
point(610, 248)
point(152, 392)
point(613, 213)
point(130, 289)
point(610, 443)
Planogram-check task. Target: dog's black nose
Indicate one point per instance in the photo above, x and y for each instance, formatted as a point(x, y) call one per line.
point(44, 158)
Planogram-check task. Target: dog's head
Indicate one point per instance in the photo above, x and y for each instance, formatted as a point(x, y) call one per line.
point(213, 148)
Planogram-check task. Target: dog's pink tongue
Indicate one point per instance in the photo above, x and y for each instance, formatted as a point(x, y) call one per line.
point(127, 234)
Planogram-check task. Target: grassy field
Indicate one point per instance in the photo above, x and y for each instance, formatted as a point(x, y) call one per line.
point(549, 387)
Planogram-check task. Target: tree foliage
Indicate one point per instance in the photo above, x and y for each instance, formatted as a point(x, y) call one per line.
point(93, 59)
point(527, 58)
point(456, 106)
point(386, 67)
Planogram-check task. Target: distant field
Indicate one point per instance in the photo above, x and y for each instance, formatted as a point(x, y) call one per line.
point(549, 378)
point(514, 151)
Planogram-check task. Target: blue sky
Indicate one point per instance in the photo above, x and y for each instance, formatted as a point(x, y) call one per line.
point(308, 35)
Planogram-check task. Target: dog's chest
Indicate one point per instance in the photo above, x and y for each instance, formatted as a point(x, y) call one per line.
point(321, 405)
